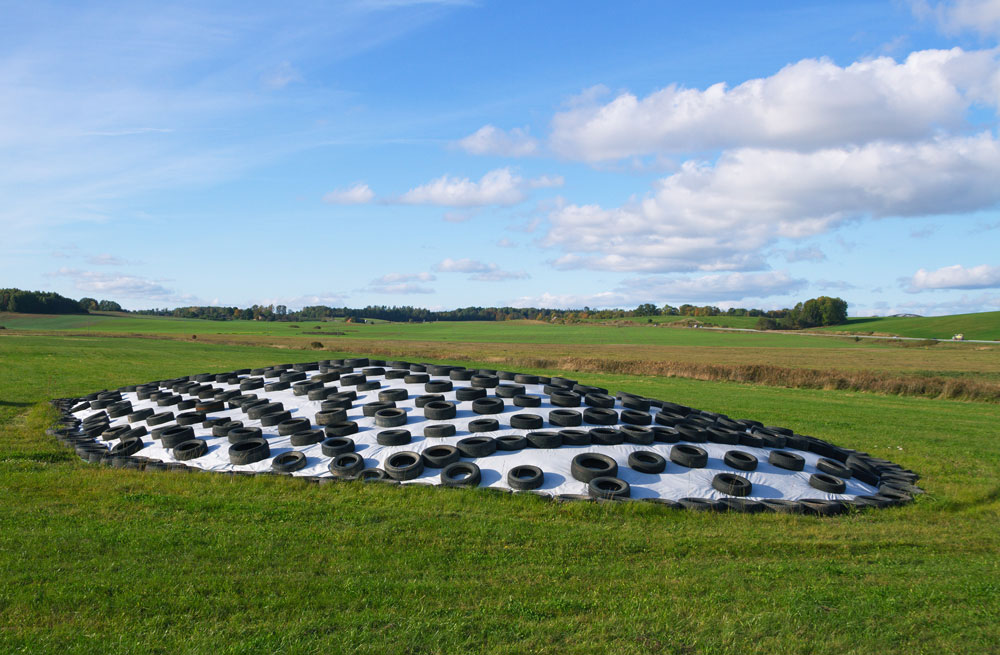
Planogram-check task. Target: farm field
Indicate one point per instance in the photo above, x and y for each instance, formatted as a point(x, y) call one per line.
point(107, 560)
point(983, 326)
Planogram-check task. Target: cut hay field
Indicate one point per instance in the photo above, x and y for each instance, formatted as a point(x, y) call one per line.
point(96, 560)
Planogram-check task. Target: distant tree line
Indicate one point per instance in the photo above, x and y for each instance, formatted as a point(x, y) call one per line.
point(37, 302)
point(813, 312)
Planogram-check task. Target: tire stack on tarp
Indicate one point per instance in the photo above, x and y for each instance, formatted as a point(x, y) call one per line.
point(398, 422)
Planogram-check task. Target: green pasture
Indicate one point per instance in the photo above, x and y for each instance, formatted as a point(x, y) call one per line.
point(96, 560)
point(982, 326)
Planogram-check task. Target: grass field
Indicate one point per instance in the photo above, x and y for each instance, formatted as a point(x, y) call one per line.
point(97, 560)
point(983, 326)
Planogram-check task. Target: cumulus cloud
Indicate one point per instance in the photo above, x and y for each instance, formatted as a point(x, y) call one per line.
point(956, 277)
point(479, 271)
point(810, 104)
point(712, 288)
point(281, 76)
point(490, 140)
point(497, 187)
point(716, 217)
point(401, 283)
point(661, 289)
point(982, 16)
point(109, 285)
point(106, 259)
point(358, 194)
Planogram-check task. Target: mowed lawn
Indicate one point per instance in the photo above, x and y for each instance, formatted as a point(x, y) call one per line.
point(105, 560)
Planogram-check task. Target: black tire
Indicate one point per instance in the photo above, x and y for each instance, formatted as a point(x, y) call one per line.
point(525, 477)
point(782, 506)
point(289, 462)
point(646, 461)
point(461, 474)
point(293, 425)
point(333, 446)
point(487, 406)
point(511, 442)
point(347, 466)
point(731, 484)
point(440, 456)
point(393, 437)
point(404, 465)
point(742, 505)
point(370, 409)
point(192, 449)
point(210, 406)
point(700, 504)
point(341, 429)
point(587, 466)
point(526, 422)
point(438, 386)
point(306, 437)
point(469, 393)
point(786, 460)
point(564, 399)
point(600, 416)
point(223, 429)
point(831, 484)
point(571, 437)
point(596, 399)
point(390, 417)
point(239, 434)
point(635, 417)
point(831, 467)
point(375, 475)
point(439, 431)
point(331, 417)
point(637, 434)
point(415, 378)
point(689, 456)
point(249, 451)
point(691, 433)
point(159, 419)
point(393, 395)
point(128, 446)
point(725, 437)
point(740, 460)
point(609, 488)
point(821, 507)
point(439, 410)
point(190, 418)
point(474, 447)
point(606, 436)
point(175, 435)
point(527, 400)
point(140, 415)
point(484, 425)
point(485, 381)
point(257, 411)
point(565, 418)
point(508, 390)
point(268, 420)
point(544, 439)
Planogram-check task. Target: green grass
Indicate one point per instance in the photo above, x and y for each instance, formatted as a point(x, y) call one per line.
point(443, 331)
point(981, 326)
point(99, 560)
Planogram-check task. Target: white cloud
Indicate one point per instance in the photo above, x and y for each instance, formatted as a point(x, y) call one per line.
point(358, 194)
point(490, 140)
point(673, 290)
point(506, 243)
point(281, 76)
point(546, 182)
point(956, 277)
point(716, 217)
point(497, 187)
point(479, 271)
point(982, 16)
point(712, 288)
point(810, 254)
point(113, 286)
point(401, 283)
point(806, 105)
point(106, 259)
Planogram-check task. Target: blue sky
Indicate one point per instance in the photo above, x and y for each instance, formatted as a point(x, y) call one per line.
point(559, 154)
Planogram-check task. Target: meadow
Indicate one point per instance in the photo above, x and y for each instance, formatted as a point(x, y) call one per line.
point(97, 560)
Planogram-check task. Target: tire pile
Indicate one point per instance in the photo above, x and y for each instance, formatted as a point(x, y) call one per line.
point(399, 422)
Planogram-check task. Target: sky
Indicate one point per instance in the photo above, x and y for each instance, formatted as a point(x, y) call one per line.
point(444, 154)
